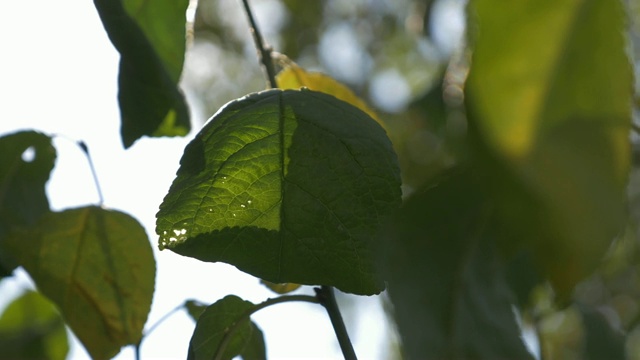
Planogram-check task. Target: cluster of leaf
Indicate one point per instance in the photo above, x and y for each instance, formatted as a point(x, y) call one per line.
point(303, 186)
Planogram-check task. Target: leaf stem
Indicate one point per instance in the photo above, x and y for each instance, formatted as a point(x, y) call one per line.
point(264, 52)
point(245, 317)
point(85, 149)
point(328, 299)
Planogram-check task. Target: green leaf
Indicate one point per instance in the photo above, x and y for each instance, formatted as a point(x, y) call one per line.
point(280, 288)
point(446, 280)
point(216, 321)
point(97, 266)
point(26, 160)
point(549, 94)
point(294, 77)
point(289, 186)
point(31, 328)
point(255, 349)
point(601, 340)
point(195, 308)
point(150, 36)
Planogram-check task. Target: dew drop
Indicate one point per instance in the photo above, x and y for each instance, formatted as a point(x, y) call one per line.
point(249, 202)
point(243, 206)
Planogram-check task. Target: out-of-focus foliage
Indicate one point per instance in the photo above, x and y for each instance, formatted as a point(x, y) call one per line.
point(31, 328)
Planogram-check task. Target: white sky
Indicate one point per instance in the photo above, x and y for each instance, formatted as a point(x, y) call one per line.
point(58, 74)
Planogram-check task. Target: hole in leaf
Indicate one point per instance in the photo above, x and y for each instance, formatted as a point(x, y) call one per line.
point(29, 154)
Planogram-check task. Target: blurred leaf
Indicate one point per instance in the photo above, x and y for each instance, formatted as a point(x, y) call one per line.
point(150, 36)
point(294, 77)
point(195, 308)
point(31, 328)
point(446, 280)
point(216, 321)
point(255, 348)
point(97, 266)
point(601, 340)
point(548, 92)
point(26, 160)
point(289, 186)
point(280, 288)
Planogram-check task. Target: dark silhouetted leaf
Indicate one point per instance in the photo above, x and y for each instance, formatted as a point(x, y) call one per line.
point(31, 328)
point(26, 160)
point(195, 308)
point(548, 93)
point(216, 321)
point(601, 340)
point(97, 266)
point(150, 36)
point(446, 280)
point(256, 348)
point(289, 186)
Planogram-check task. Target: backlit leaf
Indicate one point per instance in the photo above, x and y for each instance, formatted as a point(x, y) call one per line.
point(216, 321)
point(97, 266)
point(31, 328)
point(549, 93)
point(289, 186)
point(26, 160)
point(294, 77)
point(150, 36)
point(280, 288)
point(446, 279)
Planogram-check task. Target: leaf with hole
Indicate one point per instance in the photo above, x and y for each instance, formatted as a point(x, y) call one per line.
point(26, 160)
point(289, 186)
point(97, 266)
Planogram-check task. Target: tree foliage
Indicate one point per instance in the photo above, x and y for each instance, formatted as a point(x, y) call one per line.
point(489, 190)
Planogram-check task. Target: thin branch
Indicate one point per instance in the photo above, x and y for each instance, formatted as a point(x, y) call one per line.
point(85, 149)
point(264, 52)
point(245, 317)
point(154, 326)
point(328, 299)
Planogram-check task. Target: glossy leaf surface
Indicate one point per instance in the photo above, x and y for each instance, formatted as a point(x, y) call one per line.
point(446, 278)
point(26, 160)
point(97, 266)
point(289, 186)
point(31, 328)
point(215, 322)
point(549, 95)
point(150, 36)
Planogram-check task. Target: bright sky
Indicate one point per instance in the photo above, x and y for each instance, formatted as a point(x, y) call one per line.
point(58, 74)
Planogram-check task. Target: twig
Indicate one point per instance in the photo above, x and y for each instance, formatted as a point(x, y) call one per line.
point(154, 326)
point(85, 149)
point(264, 52)
point(328, 299)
